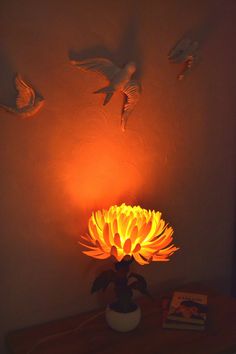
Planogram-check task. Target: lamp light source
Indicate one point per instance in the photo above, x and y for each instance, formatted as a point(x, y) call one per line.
point(126, 233)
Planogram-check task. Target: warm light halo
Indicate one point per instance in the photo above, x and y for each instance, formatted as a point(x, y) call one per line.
point(132, 231)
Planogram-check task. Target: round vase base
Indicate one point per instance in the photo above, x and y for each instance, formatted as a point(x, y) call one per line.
point(123, 322)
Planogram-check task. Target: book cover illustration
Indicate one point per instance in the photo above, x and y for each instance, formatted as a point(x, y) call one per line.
point(188, 308)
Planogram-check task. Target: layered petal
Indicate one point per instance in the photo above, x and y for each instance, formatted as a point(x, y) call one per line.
point(129, 231)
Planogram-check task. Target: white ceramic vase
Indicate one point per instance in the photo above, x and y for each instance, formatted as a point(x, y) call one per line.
point(123, 322)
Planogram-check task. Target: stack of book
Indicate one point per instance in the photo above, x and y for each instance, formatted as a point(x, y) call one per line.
point(185, 311)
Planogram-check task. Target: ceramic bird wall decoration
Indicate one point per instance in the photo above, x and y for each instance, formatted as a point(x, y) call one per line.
point(120, 79)
point(28, 102)
point(186, 52)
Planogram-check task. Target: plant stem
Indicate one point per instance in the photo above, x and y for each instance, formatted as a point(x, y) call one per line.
point(123, 292)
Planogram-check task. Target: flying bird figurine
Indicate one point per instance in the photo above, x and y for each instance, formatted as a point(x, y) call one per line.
point(185, 51)
point(28, 102)
point(119, 80)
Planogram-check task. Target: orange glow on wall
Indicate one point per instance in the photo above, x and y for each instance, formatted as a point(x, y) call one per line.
point(106, 166)
point(99, 173)
point(129, 231)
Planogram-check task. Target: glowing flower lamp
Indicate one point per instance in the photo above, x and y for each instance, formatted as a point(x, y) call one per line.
point(126, 233)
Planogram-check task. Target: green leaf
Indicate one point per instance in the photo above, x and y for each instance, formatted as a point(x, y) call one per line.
point(103, 280)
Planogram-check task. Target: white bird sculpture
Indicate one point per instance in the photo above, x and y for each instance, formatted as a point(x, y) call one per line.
point(185, 51)
point(119, 80)
point(28, 103)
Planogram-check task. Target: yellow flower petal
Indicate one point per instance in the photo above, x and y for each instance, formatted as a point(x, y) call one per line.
point(139, 259)
point(117, 240)
point(87, 246)
point(123, 231)
point(114, 251)
point(137, 248)
point(127, 246)
point(134, 233)
point(145, 229)
point(114, 227)
point(106, 237)
point(97, 254)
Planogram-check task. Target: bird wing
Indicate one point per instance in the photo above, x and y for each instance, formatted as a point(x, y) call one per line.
point(180, 51)
point(132, 91)
point(102, 66)
point(26, 94)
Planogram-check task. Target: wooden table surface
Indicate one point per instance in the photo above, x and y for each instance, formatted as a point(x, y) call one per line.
point(96, 337)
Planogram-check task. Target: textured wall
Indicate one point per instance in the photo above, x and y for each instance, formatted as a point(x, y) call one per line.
point(176, 156)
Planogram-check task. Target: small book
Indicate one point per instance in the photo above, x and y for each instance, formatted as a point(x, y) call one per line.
point(182, 325)
point(185, 311)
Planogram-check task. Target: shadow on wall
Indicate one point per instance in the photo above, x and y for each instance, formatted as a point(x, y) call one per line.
point(7, 89)
point(128, 50)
